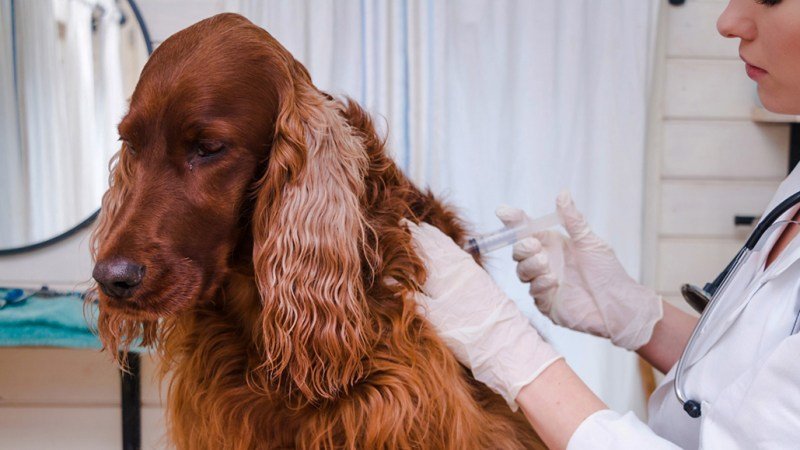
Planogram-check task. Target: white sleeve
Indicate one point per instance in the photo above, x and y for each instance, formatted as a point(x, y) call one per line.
point(608, 429)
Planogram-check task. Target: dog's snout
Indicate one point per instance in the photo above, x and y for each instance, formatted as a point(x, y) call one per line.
point(118, 277)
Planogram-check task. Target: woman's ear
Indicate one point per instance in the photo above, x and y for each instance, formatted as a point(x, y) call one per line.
point(308, 231)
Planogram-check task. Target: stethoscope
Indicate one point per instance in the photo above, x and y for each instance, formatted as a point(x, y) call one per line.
point(706, 300)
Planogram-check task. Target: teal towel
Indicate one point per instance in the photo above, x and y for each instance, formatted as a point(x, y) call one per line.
point(47, 322)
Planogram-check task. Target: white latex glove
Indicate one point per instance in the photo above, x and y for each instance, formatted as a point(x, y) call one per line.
point(477, 321)
point(579, 283)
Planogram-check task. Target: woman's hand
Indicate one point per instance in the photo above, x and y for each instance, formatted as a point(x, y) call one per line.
point(578, 282)
point(490, 335)
point(476, 320)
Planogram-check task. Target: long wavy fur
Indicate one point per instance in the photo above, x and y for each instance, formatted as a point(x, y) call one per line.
point(321, 346)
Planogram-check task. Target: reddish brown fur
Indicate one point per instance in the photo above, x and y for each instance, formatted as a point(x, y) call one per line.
point(279, 284)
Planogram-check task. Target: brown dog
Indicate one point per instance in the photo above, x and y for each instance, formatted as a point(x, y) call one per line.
point(252, 233)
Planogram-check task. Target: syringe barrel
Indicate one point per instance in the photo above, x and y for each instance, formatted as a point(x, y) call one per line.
point(508, 236)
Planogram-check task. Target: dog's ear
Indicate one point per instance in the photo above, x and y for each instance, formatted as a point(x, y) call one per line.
point(309, 239)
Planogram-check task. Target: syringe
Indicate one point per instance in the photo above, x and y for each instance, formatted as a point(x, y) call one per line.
point(481, 245)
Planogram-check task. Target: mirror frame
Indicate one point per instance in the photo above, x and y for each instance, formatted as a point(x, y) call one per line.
point(89, 220)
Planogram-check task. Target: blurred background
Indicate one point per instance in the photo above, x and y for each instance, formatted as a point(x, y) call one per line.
point(638, 107)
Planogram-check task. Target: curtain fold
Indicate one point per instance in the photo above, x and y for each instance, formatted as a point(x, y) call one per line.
point(13, 199)
point(66, 102)
point(111, 104)
point(492, 102)
point(41, 107)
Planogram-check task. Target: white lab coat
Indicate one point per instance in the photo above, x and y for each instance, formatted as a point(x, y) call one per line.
point(746, 372)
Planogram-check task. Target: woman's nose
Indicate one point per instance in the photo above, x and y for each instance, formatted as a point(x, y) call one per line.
point(118, 277)
point(737, 21)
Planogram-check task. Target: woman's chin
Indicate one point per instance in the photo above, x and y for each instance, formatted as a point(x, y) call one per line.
point(779, 104)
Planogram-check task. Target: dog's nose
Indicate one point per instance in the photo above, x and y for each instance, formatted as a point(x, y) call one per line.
point(118, 277)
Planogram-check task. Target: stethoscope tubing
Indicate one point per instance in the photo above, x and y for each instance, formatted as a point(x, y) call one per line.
point(692, 407)
point(770, 219)
point(717, 288)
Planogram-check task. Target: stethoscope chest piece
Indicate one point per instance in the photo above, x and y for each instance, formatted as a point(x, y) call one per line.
point(697, 298)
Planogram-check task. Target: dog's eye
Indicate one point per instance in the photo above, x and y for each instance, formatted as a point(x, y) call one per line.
point(129, 147)
point(208, 148)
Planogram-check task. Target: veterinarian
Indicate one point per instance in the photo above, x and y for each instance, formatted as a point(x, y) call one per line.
point(745, 381)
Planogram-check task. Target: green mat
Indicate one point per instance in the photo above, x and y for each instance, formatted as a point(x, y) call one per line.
point(47, 322)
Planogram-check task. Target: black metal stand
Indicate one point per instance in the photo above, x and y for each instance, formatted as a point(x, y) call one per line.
point(131, 404)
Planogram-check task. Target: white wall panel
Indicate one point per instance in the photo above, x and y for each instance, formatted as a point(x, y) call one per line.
point(708, 89)
point(724, 149)
point(713, 162)
point(695, 261)
point(153, 392)
point(692, 32)
point(38, 384)
point(57, 376)
point(707, 208)
point(153, 428)
point(62, 428)
point(75, 428)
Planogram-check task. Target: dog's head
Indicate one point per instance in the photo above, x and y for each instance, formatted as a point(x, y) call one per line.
point(233, 161)
point(201, 122)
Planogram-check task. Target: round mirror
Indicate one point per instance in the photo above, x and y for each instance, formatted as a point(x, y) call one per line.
point(67, 71)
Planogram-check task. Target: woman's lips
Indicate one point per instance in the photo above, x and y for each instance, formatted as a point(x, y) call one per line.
point(756, 73)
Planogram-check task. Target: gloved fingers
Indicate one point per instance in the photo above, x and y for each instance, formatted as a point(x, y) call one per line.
point(544, 299)
point(574, 222)
point(446, 263)
point(510, 216)
point(543, 283)
point(420, 239)
point(526, 248)
point(533, 267)
point(427, 237)
point(423, 303)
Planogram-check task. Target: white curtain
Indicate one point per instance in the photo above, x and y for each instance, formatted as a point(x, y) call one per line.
point(356, 48)
point(69, 99)
point(45, 30)
point(13, 210)
point(111, 103)
point(501, 101)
